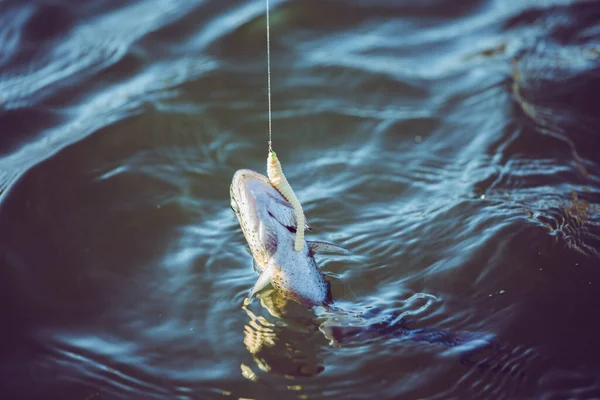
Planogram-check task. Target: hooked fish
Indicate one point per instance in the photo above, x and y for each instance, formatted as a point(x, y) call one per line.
point(269, 224)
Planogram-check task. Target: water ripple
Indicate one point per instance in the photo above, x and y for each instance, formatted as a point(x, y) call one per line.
point(450, 147)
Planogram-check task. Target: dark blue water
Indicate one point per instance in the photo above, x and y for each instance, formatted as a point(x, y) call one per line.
point(452, 147)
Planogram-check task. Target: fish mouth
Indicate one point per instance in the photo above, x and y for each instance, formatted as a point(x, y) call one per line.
point(244, 185)
point(242, 182)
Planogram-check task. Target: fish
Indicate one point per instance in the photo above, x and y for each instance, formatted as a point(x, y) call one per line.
point(269, 224)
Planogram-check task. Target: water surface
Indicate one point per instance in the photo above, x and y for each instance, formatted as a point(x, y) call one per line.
point(452, 147)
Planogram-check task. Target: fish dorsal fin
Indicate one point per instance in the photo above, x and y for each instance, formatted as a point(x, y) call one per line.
point(284, 213)
point(325, 248)
point(263, 281)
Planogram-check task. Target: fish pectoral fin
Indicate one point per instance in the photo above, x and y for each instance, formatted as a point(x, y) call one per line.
point(264, 280)
point(325, 248)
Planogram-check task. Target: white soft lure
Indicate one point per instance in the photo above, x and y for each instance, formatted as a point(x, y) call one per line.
point(279, 181)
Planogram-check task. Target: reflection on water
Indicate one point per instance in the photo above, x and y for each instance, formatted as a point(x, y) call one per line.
point(280, 347)
point(452, 148)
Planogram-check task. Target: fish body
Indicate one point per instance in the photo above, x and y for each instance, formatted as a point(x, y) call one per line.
point(269, 224)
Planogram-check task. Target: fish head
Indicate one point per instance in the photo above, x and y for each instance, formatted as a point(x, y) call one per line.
point(251, 194)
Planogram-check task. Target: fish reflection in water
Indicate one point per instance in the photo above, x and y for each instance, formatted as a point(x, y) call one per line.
point(277, 345)
point(275, 348)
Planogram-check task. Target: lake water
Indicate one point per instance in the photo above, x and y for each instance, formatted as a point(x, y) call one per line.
point(453, 147)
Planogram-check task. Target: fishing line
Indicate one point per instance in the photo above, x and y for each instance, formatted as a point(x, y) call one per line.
point(269, 76)
point(274, 171)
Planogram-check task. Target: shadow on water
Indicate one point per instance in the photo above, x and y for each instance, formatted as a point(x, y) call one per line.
point(452, 148)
